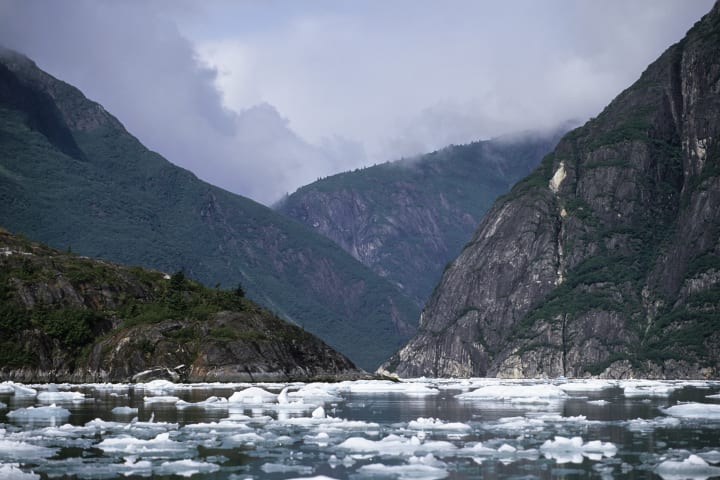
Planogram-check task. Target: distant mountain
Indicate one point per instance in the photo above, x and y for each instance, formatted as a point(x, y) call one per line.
point(606, 259)
point(407, 219)
point(70, 318)
point(73, 177)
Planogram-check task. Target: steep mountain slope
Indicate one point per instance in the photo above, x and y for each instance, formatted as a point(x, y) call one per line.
point(70, 318)
point(71, 176)
point(407, 219)
point(606, 260)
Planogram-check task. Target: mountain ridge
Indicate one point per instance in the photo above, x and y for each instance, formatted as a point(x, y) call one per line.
point(72, 176)
point(605, 261)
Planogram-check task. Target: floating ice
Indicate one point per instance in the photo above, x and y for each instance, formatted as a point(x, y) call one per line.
point(319, 477)
point(52, 397)
point(395, 445)
point(210, 402)
point(124, 411)
point(516, 393)
point(402, 472)
point(2, 405)
point(126, 444)
point(586, 386)
point(599, 402)
point(186, 468)
point(39, 413)
point(252, 395)
point(437, 424)
point(643, 425)
point(648, 388)
point(161, 399)
point(18, 390)
point(386, 386)
point(317, 392)
point(706, 411)
point(517, 424)
point(158, 387)
point(717, 395)
point(713, 456)
point(6, 388)
point(11, 450)
point(319, 412)
point(11, 471)
point(565, 450)
point(282, 468)
point(692, 467)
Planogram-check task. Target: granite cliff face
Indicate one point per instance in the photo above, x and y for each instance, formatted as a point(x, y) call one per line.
point(407, 219)
point(606, 260)
point(71, 175)
point(73, 319)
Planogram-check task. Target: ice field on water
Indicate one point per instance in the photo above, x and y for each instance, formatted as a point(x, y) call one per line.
point(419, 429)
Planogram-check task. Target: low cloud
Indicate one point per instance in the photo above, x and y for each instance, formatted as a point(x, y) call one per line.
point(263, 97)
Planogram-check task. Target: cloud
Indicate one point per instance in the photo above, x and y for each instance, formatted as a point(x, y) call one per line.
point(263, 97)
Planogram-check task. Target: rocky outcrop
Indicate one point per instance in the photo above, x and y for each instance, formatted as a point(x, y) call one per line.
point(407, 219)
point(605, 261)
point(65, 318)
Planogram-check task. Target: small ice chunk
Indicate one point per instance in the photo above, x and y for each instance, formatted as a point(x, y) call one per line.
point(319, 412)
point(282, 397)
point(436, 424)
point(387, 386)
point(706, 411)
point(130, 445)
point(157, 387)
point(282, 468)
point(599, 402)
point(52, 397)
point(565, 450)
point(11, 471)
point(395, 445)
point(643, 425)
point(19, 390)
point(692, 467)
point(516, 393)
point(317, 392)
point(124, 411)
point(713, 456)
point(161, 399)
point(586, 386)
point(186, 468)
point(39, 413)
point(6, 388)
point(412, 471)
point(318, 477)
point(648, 388)
point(717, 395)
point(253, 395)
point(210, 402)
point(11, 450)
point(2, 405)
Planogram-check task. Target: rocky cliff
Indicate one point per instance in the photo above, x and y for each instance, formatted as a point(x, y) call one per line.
point(70, 318)
point(71, 175)
point(605, 261)
point(407, 219)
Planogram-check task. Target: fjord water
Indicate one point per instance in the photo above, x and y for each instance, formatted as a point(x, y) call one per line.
point(425, 428)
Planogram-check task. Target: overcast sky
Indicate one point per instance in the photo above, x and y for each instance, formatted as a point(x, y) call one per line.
point(261, 97)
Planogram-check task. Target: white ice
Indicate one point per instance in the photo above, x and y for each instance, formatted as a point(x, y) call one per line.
point(161, 399)
point(411, 471)
point(18, 390)
point(39, 413)
point(124, 411)
point(717, 395)
point(386, 386)
point(394, 445)
point(643, 425)
point(126, 444)
point(692, 467)
point(209, 403)
point(565, 450)
point(186, 468)
point(648, 388)
point(12, 450)
point(516, 393)
point(11, 471)
point(437, 424)
point(2, 405)
point(252, 395)
point(706, 411)
point(52, 397)
point(587, 386)
point(282, 468)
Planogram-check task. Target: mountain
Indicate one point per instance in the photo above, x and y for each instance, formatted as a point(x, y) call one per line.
point(407, 219)
point(69, 318)
point(72, 176)
point(605, 260)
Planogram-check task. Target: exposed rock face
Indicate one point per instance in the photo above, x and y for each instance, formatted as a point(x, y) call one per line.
point(606, 260)
point(68, 318)
point(71, 175)
point(407, 219)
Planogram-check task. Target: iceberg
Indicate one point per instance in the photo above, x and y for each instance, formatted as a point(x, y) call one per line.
point(51, 412)
point(55, 396)
point(692, 467)
point(161, 399)
point(210, 402)
point(11, 471)
point(516, 393)
point(566, 450)
point(124, 411)
point(186, 468)
point(253, 395)
point(704, 411)
point(437, 424)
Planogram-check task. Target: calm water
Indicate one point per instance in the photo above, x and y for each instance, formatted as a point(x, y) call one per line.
point(420, 429)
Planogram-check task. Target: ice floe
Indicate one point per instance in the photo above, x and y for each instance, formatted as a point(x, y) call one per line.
point(692, 467)
point(422, 468)
point(186, 468)
point(387, 386)
point(39, 413)
point(516, 393)
point(161, 399)
point(208, 403)
point(11, 471)
point(706, 411)
point(56, 396)
point(13, 450)
point(18, 390)
point(395, 445)
point(437, 424)
point(566, 450)
point(648, 388)
point(130, 445)
point(253, 395)
point(124, 411)
point(587, 386)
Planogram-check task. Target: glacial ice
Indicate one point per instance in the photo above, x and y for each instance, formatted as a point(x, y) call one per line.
point(566, 450)
point(437, 424)
point(410, 471)
point(516, 393)
point(586, 386)
point(186, 468)
point(209, 403)
point(161, 399)
point(253, 395)
point(706, 411)
point(386, 386)
point(11, 471)
point(51, 412)
point(395, 445)
point(12, 450)
point(2, 405)
point(18, 390)
point(692, 467)
point(648, 388)
point(124, 411)
point(52, 397)
point(161, 445)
